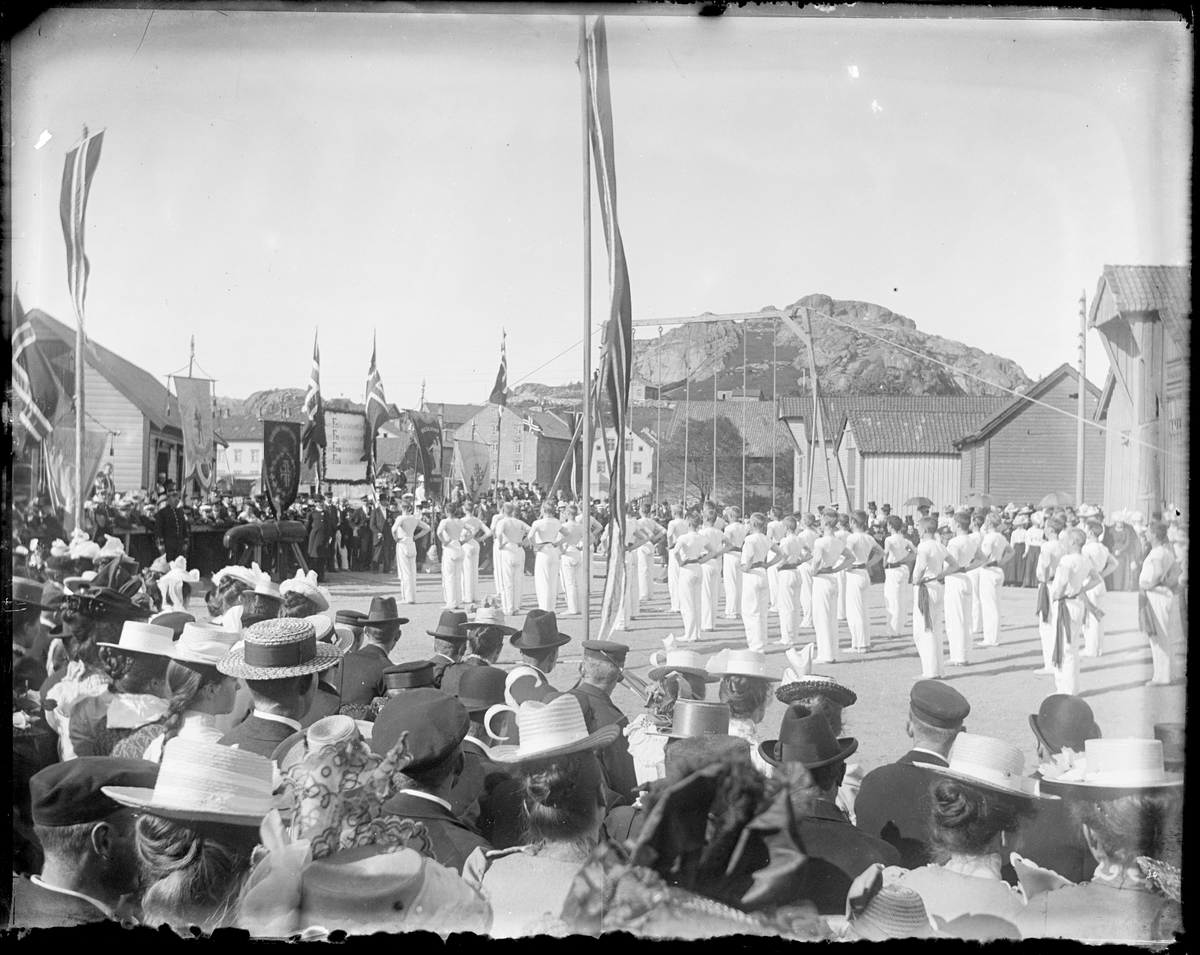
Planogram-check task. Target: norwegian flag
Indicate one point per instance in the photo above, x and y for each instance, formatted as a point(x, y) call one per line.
point(499, 395)
point(312, 438)
point(377, 407)
point(72, 207)
point(34, 386)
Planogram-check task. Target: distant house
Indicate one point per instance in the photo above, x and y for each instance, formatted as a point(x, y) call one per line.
point(740, 394)
point(1144, 316)
point(642, 390)
point(1026, 450)
point(530, 444)
point(239, 466)
point(640, 448)
point(890, 448)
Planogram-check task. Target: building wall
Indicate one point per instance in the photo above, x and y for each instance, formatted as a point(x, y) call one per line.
point(640, 452)
point(106, 408)
point(821, 493)
point(524, 455)
point(250, 465)
point(894, 478)
point(1120, 456)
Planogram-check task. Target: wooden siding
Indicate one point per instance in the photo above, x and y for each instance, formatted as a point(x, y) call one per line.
point(1120, 458)
point(108, 409)
point(1033, 453)
point(820, 489)
point(894, 478)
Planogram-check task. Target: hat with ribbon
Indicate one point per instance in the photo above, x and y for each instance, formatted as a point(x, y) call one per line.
point(548, 730)
point(812, 685)
point(688, 662)
point(383, 610)
point(205, 782)
point(350, 618)
point(480, 688)
point(305, 585)
point(322, 626)
point(145, 638)
point(540, 632)
point(1110, 768)
point(490, 616)
point(1064, 722)
point(278, 648)
point(988, 763)
point(751, 663)
point(410, 676)
point(693, 718)
point(203, 644)
point(112, 548)
point(805, 737)
point(450, 626)
point(250, 576)
point(877, 910)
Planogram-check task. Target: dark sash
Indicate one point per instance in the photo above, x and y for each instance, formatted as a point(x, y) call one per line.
point(1043, 601)
point(1062, 632)
point(923, 602)
point(1146, 618)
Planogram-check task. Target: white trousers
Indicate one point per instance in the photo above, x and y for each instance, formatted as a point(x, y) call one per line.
point(545, 577)
point(927, 634)
point(406, 571)
point(1093, 627)
point(976, 609)
point(1066, 675)
point(806, 594)
point(732, 567)
point(991, 580)
point(858, 608)
point(673, 580)
point(710, 591)
point(1166, 613)
point(645, 564)
point(1046, 633)
point(690, 584)
point(773, 587)
point(630, 599)
point(497, 570)
point(789, 606)
point(756, 597)
point(824, 611)
point(841, 595)
point(452, 563)
point(570, 573)
point(512, 577)
point(470, 571)
point(958, 617)
point(895, 593)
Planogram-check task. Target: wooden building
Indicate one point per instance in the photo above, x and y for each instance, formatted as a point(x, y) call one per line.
point(1144, 316)
point(530, 444)
point(1028, 449)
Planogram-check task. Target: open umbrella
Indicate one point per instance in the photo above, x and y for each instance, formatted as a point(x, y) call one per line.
point(980, 500)
point(1057, 499)
point(918, 502)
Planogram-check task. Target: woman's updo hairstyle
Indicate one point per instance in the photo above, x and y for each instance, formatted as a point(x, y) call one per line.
point(132, 672)
point(561, 797)
point(295, 604)
point(744, 694)
point(661, 697)
point(1140, 824)
point(966, 818)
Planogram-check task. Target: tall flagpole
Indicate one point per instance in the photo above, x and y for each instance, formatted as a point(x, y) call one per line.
point(588, 438)
point(79, 425)
point(1082, 406)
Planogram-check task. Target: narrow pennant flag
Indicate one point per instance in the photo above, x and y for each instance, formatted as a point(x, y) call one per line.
point(499, 395)
point(377, 407)
point(617, 357)
point(312, 439)
point(34, 386)
point(72, 207)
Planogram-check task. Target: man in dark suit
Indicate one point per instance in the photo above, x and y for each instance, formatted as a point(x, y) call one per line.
point(171, 531)
point(600, 671)
point(893, 802)
point(88, 840)
point(837, 852)
point(363, 670)
point(379, 527)
point(321, 527)
point(449, 642)
point(436, 725)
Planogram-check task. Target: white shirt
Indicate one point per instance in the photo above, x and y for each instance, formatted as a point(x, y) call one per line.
point(714, 540)
point(689, 547)
point(931, 559)
point(109, 913)
point(755, 549)
point(962, 549)
point(430, 796)
point(735, 533)
point(276, 718)
point(827, 551)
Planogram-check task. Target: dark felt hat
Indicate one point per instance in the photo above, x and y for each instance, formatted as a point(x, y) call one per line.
point(805, 737)
point(383, 610)
point(481, 687)
point(436, 724)
point(410, 675)
point(540, 632)
point(605, 650)
point(350, 618)
point(938, 704)
point(450, 626)
point(28, 593)
point(173, 620)
point(69, 794)
point(1064, 722)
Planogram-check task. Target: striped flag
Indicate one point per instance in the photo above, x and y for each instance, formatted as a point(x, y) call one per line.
point(72, 207)
point(499, 395)
point(312, 439)
point(616, 361)
point(34, 386)
point(377, 407)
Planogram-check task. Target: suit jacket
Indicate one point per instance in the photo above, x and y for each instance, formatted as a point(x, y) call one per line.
point(36, 907)
point(440, 665)
point(453, 673)
point(894, 804)
point(326, 702)
point(321, 526)
point(453, 841)
point(838, 853)
point(256, 735)
point(1054, 842)
point(598, 712)
point(362, 674)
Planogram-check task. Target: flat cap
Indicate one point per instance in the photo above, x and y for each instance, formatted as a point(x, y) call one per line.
point(409, 676)
point(938, 704)
point(436, 724)
point(69, 794)
point(605, 650)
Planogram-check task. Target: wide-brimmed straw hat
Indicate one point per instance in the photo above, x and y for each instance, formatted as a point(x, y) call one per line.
point(540, 632)
point(204, 643)
point(306, 585)
point(751, 663)
point(490, 617)
point(805, 737)
point(681, 661)
point(322, 626)
point(450, 626)
point(550, 729)
point(278, 648)
point(1111, 768)
point(137, 637)
point(814, 684)
point(989, 763)
point(205, 782)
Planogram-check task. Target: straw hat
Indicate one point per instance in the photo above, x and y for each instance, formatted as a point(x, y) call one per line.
point(322, 625)
point(203, 643)
point(814, 684)
point(205, 782)
point(550, 729)
point(752, 663)
point(490, 617)
point(1111, 768)
point(306, 585)
point(343, 637)
point(682, 661)
point(989, 763)
point(278, 648)
point(146, 638)
point(894, 911)
point(336, 730)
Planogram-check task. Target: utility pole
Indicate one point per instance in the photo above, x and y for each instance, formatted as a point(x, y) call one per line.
point(1079, 436)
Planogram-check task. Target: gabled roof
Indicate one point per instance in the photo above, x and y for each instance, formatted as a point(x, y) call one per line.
point(242, 427)
point(144, 391)
point(551, 425)
point(1014, 407)
point(453, 415)
point(1161, 290)
point(763, 432)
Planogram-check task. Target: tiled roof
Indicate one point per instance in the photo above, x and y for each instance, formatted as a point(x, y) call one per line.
point(240, 428)
point(1165, 289)
point(453, 414)
point(764, 433)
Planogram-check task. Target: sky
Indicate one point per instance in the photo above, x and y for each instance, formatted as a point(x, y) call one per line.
point(417, 177)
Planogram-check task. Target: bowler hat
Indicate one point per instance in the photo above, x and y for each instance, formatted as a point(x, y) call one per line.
point(481, 687)
point(436, 724)
point(383, 610)
point(805, 737)
point(540, 632)
point(409, 676)
point(450, 626)
point(1064, 722)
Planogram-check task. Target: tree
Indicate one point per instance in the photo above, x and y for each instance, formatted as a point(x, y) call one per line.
point(696, 448)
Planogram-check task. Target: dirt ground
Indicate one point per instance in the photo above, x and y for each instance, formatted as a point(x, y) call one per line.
point(1000, 683)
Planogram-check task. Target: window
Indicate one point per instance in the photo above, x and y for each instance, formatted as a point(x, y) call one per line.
point(517, 450)
point(612, 444)
point(600, 468)
point(637, 469)
point(628, 445)
point(237, 456)
point(517, 466)
point(254, 456)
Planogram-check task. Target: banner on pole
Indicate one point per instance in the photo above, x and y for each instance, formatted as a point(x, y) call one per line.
point(429, 445)
point(345, 436)
point(281, 463)
point(59, 451)
point(473, 462)
point(196, 421)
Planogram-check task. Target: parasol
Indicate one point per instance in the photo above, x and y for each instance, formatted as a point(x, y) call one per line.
point(918, 502)
point(1057, 499)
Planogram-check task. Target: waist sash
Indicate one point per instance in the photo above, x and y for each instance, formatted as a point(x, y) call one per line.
point(1146, 617)
point(1062, 632)
point(1043, 602)
point(923, 602)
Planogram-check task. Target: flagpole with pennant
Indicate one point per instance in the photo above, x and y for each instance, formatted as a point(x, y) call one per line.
point(312, 438)
point(377, 409)
point(78, 170)
point(499, 398)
